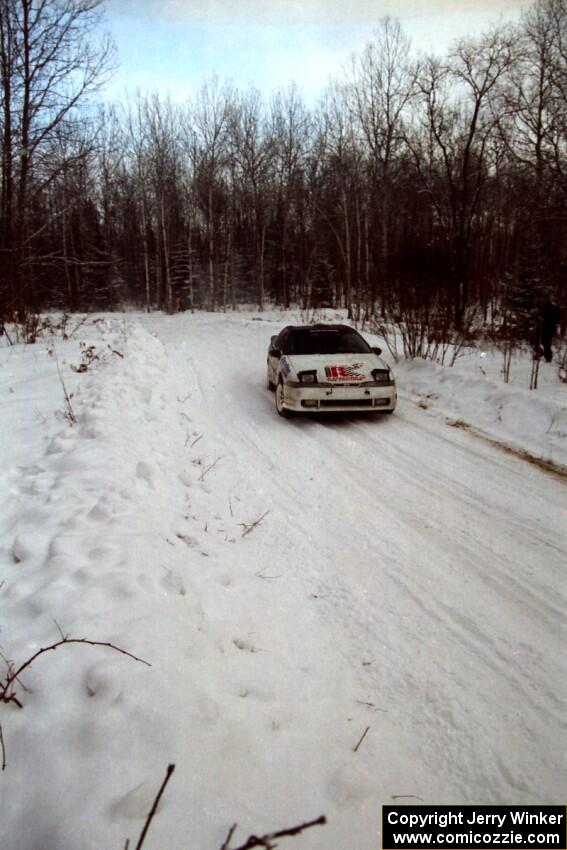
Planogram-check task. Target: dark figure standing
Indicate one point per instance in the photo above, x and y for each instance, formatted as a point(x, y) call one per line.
point(550, 318)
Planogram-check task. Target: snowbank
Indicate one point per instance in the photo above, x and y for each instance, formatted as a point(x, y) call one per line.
point(124, 528)
point(526, 420)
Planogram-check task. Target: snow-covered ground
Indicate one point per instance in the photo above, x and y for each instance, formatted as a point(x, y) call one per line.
point(405, 575)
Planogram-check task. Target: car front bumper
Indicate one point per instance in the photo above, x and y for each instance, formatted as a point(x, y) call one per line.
point(332, 399)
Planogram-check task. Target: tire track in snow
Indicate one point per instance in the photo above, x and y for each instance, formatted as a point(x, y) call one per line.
point(450, 618)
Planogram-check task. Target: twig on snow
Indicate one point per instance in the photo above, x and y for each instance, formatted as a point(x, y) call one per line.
point(10, 667)
point(262, 575)
point(362, 737)
point(142, 838)
point(406, 797)
point(248, 528)
point(267, 840)
point(60, 630)
point(372, 705)
point(79, 324)
point(3, 748)
point(196, 440)
point(228, 837)
point(69, 412)
point(208, 469)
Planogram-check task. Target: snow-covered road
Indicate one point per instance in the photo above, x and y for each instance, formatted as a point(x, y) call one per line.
point(434, 555)
point(408, 576)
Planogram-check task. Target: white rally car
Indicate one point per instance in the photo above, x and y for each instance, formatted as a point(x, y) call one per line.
point(328, 368)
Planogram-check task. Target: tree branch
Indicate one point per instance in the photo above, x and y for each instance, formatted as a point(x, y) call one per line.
point(6, 696)
point(266, 840)
point(153, 810)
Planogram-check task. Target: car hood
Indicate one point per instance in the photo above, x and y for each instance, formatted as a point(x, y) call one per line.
point(339, 368)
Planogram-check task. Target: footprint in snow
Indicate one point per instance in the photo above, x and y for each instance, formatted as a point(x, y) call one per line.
point(349, 785)
point(91, 432)
point(35, 486)
point(103, 684)
point(57, 446)
point(121, 587)
point(145, 394)
point(81, 576)
point(145, 471)
point(105, 509)
point(252, 692)
point(73, 523)
point(31, 471)
point(104, 554)
point(173, 583)
point(23, 548)
point(244, 646)
point(152, 415)
point(63, 545)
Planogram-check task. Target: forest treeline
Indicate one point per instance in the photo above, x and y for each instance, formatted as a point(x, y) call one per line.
point(415, 185)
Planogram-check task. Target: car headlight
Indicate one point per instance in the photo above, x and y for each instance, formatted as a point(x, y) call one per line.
point(309, 377)
point(381, 375)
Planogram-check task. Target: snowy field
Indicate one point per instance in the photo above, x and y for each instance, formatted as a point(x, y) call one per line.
point(291, 583)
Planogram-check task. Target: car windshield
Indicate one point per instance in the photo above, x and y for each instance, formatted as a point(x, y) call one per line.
point(330, 341)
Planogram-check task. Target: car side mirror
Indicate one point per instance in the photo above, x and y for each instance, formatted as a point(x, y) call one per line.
point(275, 352)
point(377, 350)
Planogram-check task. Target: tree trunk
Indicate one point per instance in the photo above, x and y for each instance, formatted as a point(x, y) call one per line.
point(146, 258)
point(168, 292)
point(190, 266)
point(348, 258)
point(211, 252)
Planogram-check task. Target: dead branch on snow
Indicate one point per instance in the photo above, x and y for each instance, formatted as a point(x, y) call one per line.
point(153, 810)
point(7, 687)
point(267, 840)
point(248, 528)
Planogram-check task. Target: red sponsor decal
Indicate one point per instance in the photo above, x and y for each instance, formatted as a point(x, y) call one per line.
point(344, 373)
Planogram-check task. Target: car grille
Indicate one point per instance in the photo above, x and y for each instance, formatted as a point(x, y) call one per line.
point(346, 402)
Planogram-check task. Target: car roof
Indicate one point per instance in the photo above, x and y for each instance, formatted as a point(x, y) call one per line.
point(320, 327)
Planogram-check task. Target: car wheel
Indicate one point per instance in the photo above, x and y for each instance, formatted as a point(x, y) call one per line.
point(271, 385)
point(279, 401)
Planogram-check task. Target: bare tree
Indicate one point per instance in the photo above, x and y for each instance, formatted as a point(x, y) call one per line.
point(252, 147)
point(210, 114)
point(51, 58)
point(292, 131)
point(450, 147)
point(382, 83)
point(341, 176)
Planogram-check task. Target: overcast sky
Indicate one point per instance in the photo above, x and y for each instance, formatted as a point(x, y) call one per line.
point(172, 45)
